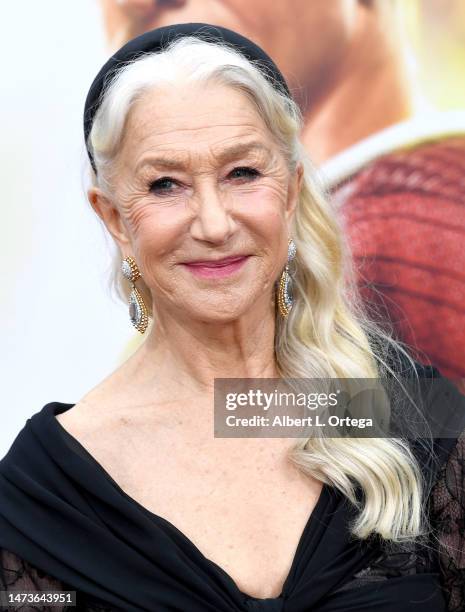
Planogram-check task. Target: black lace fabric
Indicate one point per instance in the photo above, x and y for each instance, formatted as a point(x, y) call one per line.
point(444, 553)
point(447, 508)
point(444, 550)
point(16, 574)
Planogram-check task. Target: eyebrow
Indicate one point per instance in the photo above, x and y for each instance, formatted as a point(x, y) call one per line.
point(175, 162)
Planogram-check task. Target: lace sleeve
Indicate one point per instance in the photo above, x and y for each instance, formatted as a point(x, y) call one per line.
point(16, 574)
point(448, 519)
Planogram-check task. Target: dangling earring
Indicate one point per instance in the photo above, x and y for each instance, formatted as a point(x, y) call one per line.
point(285, 299)
point(137, 307)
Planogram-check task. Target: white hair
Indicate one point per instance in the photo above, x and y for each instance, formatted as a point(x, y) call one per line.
point(328, 333)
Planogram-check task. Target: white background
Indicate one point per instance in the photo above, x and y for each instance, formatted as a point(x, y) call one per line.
point(61, 330)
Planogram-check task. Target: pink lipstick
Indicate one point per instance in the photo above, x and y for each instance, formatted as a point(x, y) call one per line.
point(216, 268)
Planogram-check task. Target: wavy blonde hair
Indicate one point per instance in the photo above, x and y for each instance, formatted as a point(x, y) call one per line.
point(328, 333)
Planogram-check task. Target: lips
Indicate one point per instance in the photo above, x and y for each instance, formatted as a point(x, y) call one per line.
point(218, 263)
point(217, 269)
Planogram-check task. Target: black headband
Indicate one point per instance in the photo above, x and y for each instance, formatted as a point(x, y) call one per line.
point(158, 39)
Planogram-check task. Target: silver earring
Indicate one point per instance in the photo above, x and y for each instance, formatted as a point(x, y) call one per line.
point(137, 308)
point(285, 299)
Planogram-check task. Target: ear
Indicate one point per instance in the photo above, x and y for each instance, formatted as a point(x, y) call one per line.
point(293, 192)
point(110, 215)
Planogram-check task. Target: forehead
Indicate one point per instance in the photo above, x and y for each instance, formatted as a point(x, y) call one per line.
point(191, 118)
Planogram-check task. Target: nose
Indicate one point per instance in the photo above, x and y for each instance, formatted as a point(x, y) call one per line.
point(212, 221)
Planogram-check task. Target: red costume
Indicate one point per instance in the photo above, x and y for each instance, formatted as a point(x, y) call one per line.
point(404, 212)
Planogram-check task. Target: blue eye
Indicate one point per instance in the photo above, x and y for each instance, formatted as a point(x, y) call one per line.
point(244, 172)
point(162, 184)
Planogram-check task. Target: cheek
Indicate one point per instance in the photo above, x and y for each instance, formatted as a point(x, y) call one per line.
point(143, 213)
point(156, 230)
point(262, 208)
point(262, 211)
point(147, 216)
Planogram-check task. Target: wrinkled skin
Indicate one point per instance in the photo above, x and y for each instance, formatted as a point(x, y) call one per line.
point(211, 204)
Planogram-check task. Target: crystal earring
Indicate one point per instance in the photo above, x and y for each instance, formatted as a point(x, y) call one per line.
point(137, 307)
point(285, 299)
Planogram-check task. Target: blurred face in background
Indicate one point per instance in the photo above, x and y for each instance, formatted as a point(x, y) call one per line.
point(290, 31)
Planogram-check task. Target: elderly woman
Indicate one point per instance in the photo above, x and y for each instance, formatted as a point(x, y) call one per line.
point(234, 266)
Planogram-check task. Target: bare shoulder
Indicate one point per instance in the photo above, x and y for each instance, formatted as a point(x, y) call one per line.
point(108, 401)
point(99, 428)
point(90, 414)
point(102, 400)
point(76, 417)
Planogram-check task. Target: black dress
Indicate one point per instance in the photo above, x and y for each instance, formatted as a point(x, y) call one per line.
point(65, 524)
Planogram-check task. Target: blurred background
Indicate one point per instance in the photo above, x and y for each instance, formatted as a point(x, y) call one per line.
point(435, 32)
point(62, 331)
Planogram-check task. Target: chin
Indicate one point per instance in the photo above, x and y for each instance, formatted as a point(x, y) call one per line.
point(219, 314)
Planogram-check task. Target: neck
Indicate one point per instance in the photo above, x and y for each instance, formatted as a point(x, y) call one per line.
point(192, 354)
point(368, 91)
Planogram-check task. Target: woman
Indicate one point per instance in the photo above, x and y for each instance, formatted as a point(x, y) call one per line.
point(224, 241)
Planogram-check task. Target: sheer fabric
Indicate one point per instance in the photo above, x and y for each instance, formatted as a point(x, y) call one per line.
point(16, 574)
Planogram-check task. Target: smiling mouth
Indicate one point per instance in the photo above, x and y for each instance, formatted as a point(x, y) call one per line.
point(216, 269)
point(216, 263)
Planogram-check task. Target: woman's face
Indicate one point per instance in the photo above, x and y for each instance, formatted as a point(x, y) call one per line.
point(199, 179)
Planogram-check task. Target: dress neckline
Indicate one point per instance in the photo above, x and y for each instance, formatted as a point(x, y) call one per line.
point(50, 410)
